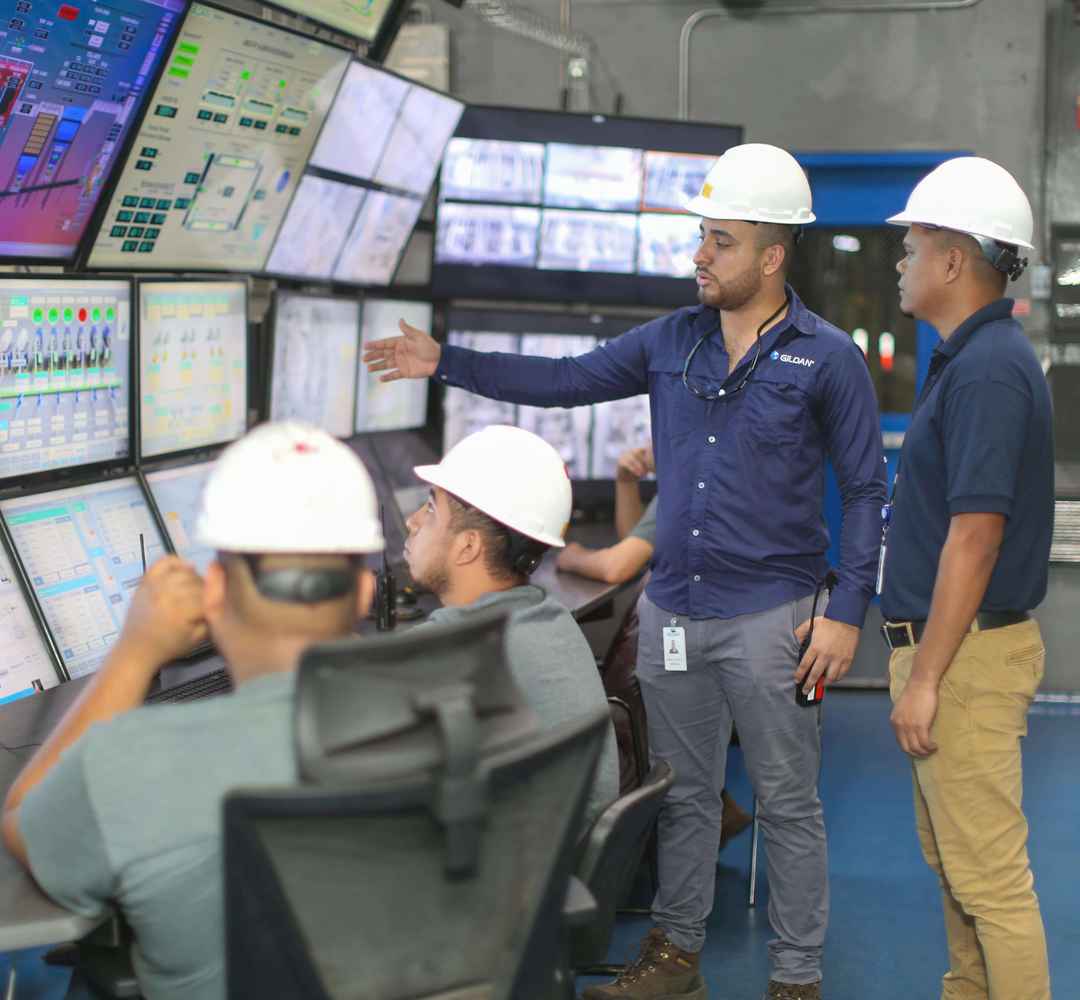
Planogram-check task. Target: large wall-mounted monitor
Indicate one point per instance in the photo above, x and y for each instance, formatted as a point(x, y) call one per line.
point(65, 372)
point(362, 18)
point(424, 124)
point(377, 239)
point(313, 373)
point(192, 364)
point(82, 554)
point(221, 148)
point(25, 663)
point(390, 406)
point(313, 234)
point(571, 207)
point(73, 81)
point(589, 438)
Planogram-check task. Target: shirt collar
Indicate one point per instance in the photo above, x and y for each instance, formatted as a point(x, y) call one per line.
point(999, 310)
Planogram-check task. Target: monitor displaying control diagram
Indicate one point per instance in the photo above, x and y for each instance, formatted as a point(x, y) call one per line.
point(177, 493)
point(588, 241)
point(390, 406)
point(73, 78)
point(81, 551)
point(192, 364)
point(360, 121)
point(25, 663)
point(313, 233)
point(224, 141)
point(377, 239)
point(491, 170)
point(315, 360)
point(487, 234)
point(362, 18)
point(667, 244)
point(605, 177)
point(423, 127)
point(64, 373)
point(465, 413)
point(672, 179)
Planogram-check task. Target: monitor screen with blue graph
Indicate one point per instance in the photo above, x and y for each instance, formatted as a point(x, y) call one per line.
point(82, 554)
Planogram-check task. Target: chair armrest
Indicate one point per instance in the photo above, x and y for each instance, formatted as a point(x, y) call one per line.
point(579, 906)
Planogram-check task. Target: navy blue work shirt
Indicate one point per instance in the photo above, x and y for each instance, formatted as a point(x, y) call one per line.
point(740, 479)
point(981, 441)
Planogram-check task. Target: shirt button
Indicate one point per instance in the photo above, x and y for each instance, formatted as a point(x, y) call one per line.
point(695, 532)
point(697, 579)
point(712, 439)
point(701, 486)
point(443, 377)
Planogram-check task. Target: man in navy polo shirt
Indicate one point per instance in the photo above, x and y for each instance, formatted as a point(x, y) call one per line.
point(749, 393)
point(965, 560)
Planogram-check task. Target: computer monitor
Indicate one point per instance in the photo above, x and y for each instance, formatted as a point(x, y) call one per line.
point(362, 18)
point(672, 179)
point(606, 177)
point(667, 244)
point(491, 170)
point(73, 79)
point(81, 551)
point(25, 663)
point(177, 494)
point(312, 377)
point(587, 241)
point(377, 239)
point(360, 121)
point(225, 139)
point(314, 231)
point(423, 127)
point(192, 364)
point(465, 413)
point(618, 425)
point(566, 430)
point(473, 235)
point(390, 406)
point(65, 370)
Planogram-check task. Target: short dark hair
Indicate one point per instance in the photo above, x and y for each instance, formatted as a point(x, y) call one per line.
point(987, 273)
point(503, 546)
point(772, 233)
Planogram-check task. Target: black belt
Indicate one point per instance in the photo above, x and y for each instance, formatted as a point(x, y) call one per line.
point(899, 634)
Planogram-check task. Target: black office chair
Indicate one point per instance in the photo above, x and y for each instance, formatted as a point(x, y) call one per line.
point(613, 851)
point(431, 854)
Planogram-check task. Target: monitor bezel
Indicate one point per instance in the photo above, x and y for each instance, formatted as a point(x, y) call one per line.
point(360, 364)
point(270, 339)
point(82, 262)
point(510, 124)
point(139, 458)
point(102, 465)
point(24, 577)
point(73, 261)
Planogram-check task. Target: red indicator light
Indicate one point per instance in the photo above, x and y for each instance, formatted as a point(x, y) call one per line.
point(67, 12)
point(82, 315)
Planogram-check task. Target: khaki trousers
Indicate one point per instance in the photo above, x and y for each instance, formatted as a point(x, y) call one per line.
point(969, 817)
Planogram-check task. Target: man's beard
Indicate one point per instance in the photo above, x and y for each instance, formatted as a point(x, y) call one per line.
point(436, 578)
point(731, 295)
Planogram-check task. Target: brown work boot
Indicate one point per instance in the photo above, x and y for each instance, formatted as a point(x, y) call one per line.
point(789, 991)
point(661, 972)
point(733, 820)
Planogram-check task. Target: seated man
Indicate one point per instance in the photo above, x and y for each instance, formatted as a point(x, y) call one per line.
point(499, 499)
point(123, 803)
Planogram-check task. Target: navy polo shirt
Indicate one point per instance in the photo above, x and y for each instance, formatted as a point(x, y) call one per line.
point(981, 441)
point(740, 480)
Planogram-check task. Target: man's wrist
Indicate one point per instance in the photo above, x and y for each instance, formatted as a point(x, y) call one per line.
point(136, 656)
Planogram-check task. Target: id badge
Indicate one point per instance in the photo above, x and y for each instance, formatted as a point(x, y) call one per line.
point(881, 568)
point(674, 648)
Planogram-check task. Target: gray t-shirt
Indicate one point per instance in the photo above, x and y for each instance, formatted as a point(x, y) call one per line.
point(552, 662)
point(132, 813)
point(645, 529)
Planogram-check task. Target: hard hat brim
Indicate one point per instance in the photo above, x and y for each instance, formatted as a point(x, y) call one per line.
point(709, 209)
point(433, 474)
point(903, 219)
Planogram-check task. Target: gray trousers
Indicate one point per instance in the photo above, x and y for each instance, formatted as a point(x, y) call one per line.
point(740, 670)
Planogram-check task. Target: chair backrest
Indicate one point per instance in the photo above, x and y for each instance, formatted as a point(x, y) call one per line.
point(335, 893)
point(610, 858)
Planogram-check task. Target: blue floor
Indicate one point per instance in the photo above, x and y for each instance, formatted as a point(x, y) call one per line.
point(885, 940)
point(886, 937)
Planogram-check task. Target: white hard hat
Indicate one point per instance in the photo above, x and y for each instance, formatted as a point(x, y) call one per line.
point(756, 183)
point(513, 476)
point(971, 195)
point(289, 488)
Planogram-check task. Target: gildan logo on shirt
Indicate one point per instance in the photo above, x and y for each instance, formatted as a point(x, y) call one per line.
point(791, 359)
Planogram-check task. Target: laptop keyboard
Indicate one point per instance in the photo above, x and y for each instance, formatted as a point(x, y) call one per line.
point(217, 682)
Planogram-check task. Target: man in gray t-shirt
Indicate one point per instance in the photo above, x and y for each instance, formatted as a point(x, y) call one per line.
point(499, 499)
point(122, 806)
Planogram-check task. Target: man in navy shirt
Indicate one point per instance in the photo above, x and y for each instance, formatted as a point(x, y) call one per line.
point(749, 392)
point(965, 559)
